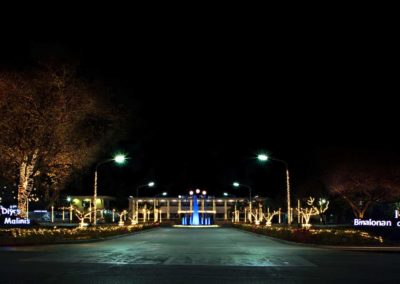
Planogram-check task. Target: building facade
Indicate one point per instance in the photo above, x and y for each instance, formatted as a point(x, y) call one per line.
point(158, 209)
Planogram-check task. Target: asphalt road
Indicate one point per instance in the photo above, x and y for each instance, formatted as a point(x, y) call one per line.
point(172, 255)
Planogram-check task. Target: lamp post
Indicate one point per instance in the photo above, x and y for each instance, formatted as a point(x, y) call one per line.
point(119, 159)
point(150, 184)
point(70, 208)
point(264, 158)
point(236, 184)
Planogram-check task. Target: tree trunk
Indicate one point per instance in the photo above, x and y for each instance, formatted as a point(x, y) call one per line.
point(365, 207)
point(25, 186)
point(358, 212)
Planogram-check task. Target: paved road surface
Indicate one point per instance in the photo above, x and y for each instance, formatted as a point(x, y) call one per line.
point(172, 255)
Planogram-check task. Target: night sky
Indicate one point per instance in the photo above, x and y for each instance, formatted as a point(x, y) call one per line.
point(206, 101)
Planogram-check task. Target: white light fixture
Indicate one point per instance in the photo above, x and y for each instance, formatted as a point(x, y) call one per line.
point(262, 157)
point(120, 159)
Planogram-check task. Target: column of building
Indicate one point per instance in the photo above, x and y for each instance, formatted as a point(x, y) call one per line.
point(168, 213)
point(225, 210)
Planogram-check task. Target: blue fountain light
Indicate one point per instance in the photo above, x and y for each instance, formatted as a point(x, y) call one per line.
point(194, 219)
point(195, 216)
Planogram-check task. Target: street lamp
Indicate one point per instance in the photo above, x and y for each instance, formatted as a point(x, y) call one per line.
point(150, 184)
point(119, 159)
point(236, 184)
point(161, 194)
point(264, 158)
point(70, 209)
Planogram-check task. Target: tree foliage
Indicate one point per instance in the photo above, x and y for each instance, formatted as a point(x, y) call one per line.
point(363, 184)
point(51, 123)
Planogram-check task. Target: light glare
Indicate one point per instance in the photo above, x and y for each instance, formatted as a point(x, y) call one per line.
point(262, 157)
point(120, 159)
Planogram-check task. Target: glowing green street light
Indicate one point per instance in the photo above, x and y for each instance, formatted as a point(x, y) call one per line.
point(119, 159)
point(262, 157)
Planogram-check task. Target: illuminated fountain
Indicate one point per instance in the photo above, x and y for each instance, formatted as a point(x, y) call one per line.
point(195, 215)
point(192, 217)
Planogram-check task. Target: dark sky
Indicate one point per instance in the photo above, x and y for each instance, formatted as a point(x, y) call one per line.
point(208, 99)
